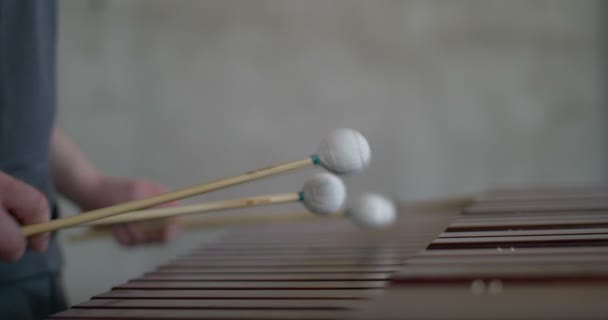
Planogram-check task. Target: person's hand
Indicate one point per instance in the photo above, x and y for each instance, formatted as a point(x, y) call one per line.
point(109, 191)
point(20, 204)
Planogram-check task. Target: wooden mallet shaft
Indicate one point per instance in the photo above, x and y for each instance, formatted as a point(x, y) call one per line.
point(150, 214)
point(89, 216)
point(205, 222)
point(323, 194)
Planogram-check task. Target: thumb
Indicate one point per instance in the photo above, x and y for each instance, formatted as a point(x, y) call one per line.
point(24, 205)
point(13, 243)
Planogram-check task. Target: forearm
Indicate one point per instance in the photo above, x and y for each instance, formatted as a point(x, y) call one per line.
point(75, 176)
point(80, 181)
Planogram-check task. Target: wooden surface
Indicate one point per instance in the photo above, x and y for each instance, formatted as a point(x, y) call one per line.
point(436, 262)
point(527, 254)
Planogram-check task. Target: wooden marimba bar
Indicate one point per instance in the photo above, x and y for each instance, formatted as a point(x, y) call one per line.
point(512, 254)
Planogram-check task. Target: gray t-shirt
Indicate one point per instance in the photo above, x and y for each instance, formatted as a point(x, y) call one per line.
point(27, 111)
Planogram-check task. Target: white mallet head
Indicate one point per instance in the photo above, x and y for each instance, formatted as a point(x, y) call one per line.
point(372, 210)
point(324, 193)
point(344, 151)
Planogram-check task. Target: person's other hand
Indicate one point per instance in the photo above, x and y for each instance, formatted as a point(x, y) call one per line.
point(20, 204)
point(111, 191)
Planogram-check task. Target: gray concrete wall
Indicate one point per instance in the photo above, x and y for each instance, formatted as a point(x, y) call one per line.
point(454, 96)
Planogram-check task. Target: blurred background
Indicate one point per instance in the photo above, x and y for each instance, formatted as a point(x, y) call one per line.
point(454, 97)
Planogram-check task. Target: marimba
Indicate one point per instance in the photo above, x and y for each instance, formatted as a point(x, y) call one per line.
point(510, 254)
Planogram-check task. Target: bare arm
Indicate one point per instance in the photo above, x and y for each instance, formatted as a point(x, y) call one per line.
point(75, 176)
point(81, 182)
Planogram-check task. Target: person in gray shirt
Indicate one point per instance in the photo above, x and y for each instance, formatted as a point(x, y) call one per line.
point(38, 162)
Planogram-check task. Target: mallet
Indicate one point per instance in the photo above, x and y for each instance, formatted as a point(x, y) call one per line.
point(343, 151)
